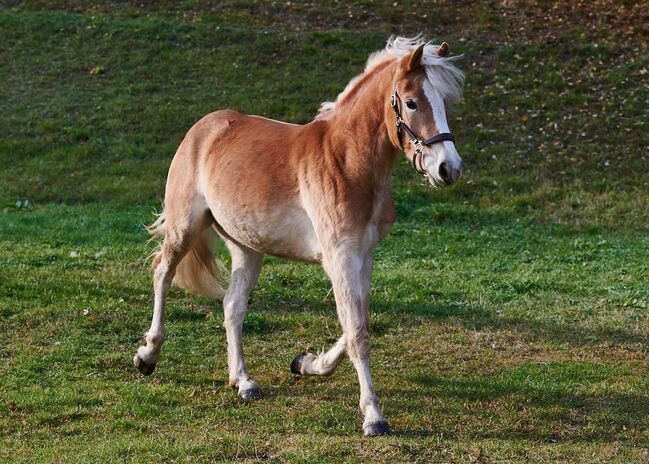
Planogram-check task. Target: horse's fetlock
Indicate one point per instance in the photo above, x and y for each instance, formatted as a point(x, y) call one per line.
point(368, 401)
point(155, 339)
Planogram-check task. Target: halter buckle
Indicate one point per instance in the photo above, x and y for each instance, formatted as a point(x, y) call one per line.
point(393, 103)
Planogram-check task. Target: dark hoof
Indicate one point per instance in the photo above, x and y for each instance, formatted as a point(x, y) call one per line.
point(376, 428)
point(251, 394)
point(296, 364)
point(144, 368)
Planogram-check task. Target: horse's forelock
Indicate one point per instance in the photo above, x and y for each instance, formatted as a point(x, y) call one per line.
point(441, 72)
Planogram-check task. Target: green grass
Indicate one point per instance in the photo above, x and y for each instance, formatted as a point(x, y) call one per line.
point(510, 313)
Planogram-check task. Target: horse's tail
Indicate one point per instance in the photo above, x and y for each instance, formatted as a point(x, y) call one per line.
point(199, 271)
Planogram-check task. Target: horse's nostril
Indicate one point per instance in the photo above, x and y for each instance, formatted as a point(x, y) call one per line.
point(444, 172)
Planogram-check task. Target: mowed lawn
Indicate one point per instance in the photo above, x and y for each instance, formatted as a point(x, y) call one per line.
point(510, 313)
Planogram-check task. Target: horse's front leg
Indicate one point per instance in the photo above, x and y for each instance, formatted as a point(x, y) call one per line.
point(246, 264)
point(350, 273)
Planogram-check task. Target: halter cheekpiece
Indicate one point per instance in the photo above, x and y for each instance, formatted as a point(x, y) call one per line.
point(419, 144)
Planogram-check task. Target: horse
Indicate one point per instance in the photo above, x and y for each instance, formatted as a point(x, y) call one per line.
point(318, 192)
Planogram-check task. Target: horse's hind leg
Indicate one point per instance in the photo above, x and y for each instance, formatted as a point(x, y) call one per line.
point(324, 364)
point(181, 231)
point(246, 264)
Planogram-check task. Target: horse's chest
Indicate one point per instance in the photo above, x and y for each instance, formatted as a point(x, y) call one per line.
point(383, 216)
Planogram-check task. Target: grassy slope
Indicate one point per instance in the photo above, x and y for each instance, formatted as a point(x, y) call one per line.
point(510, 313)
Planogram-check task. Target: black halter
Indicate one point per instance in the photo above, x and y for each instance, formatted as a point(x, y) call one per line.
point(401, 124)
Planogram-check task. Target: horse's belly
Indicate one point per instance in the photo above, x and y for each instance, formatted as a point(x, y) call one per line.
point(286, 231)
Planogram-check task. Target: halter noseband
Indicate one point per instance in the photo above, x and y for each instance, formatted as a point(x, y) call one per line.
point(401, 124)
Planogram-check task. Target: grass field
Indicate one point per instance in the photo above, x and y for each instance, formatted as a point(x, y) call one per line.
point(510, 313)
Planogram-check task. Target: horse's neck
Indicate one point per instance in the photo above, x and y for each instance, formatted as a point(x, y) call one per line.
point(363, 132)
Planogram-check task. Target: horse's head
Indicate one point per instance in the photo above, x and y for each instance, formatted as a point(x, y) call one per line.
point(423, 83)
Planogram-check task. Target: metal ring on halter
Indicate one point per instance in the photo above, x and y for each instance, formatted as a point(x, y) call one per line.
point(417, 156)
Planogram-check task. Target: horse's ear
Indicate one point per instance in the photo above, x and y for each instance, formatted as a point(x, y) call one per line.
point(443, 50)
point(413, 61)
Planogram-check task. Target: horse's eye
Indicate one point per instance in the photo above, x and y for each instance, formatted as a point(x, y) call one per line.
point(411, 105)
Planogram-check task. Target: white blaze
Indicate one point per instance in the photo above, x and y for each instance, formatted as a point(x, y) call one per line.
point(443, 152)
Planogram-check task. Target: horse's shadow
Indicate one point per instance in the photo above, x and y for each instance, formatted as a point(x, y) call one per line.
point(552, 415)
point(478, 318)
point(558, 402)
point(602, 416)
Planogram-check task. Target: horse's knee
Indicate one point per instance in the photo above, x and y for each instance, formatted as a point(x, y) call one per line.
point(232, 321)
point(358, 342)
point(233, 313)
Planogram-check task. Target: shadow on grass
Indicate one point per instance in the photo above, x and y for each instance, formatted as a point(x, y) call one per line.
point(553, 413)
point(496, 408)
point(477, 318)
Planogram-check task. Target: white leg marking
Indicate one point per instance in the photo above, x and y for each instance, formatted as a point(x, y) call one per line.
point(246, 264)
point(147, 356)
point(369, 402)
point(350, 275)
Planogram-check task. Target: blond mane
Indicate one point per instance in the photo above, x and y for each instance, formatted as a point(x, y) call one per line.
point(441, 72)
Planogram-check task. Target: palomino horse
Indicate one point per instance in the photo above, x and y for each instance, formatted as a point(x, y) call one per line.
point(318, 192)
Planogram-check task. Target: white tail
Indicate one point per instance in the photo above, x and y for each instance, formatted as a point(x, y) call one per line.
point(199, 271)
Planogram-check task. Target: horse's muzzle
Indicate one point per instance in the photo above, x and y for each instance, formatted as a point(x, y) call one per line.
point(448, 173)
